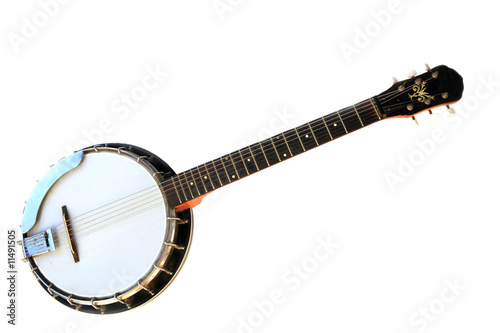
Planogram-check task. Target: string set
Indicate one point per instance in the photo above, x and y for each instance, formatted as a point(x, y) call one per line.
point(150, 197)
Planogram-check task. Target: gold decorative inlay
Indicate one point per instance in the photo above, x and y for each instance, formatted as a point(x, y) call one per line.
point(419, 93)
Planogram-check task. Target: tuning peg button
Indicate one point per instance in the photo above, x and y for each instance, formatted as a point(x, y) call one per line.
point(412, 73)
point(414, 120)
point(427, 68)
point(433, 116)
point(394, 79)
point(450, 110)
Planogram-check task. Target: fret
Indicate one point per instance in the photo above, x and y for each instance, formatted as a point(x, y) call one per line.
point(251, 165)
point(244, 162)
point(301, 143)
point(326, 126)
point(264, 154)
point(276, 150)
point(187, 185)
point(229, 168)
point(293, 142)
point(354, 106)
point(307, 136)
point(349, 119)
point(256, 163)
point(202, 179)
point(194, 181)
point(167, 189)
point(375, 108)
point(225, 175)
point(218, 175)
point(179, 184)
point(314, 135)
point(209, 176)
point(335, 126)
point(286, 143)
point(239, 164)
point(281, 147)
point(367, 112)
point(338, 115)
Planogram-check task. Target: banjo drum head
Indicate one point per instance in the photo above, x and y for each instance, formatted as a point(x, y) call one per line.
point(130, 243)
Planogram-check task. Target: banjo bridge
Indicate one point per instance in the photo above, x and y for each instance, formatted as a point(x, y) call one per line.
point(38, 244)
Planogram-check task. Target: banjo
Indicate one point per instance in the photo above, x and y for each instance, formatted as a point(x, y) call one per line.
point(108, 228)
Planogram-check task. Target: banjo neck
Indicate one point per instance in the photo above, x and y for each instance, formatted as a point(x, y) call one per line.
point(190, 186)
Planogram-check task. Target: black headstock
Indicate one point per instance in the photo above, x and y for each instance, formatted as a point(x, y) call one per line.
point(440, 85)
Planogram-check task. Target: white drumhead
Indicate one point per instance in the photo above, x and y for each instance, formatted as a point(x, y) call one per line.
point(119, 227)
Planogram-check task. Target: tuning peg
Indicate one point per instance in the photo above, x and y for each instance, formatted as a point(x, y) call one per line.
point(394, 79)
point(427, 68)
point(433, 116)
point(415, 121)
point(450, 110)
point(412, 73)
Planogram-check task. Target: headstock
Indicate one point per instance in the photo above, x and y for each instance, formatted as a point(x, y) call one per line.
point(438, 86)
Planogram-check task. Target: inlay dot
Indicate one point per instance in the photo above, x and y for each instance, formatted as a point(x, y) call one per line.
point(335, 124)
point(233, 176)
point(284, 154)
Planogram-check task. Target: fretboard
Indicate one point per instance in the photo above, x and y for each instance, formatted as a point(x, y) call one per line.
point(232, 167)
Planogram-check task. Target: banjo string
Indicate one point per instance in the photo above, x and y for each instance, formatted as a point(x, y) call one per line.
point(132, 197)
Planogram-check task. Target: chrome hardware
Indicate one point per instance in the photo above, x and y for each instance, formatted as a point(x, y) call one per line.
point(70, 301)
point(175, 246)
point(49, 289)
point(178, 220)
point(159, 174)
point(119, 300)
point(164, 270)
point(36, 275)
point(415, 120)
point(98, 307)
point(38, 244)
point(147, 289)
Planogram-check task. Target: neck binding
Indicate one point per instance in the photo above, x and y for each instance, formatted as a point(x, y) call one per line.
point(193, 184)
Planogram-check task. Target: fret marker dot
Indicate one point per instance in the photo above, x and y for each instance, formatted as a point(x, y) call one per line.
point(248, 159)
point(307, 135)
point(335, 124)
point(205, 177)
point(284, 155)
point(191, 183)
point(233, 176)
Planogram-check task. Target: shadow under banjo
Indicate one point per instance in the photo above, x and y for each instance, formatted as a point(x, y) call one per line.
point(108, 228)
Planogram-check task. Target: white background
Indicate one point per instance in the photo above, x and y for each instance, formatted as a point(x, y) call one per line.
point(229, 75)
